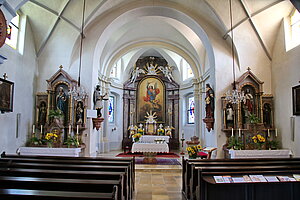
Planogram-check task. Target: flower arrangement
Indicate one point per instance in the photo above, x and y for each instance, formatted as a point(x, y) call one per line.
point(160, 131)
point(259, 140)
point(140, 131)
point(72, 141)
point(235, 144)
point(193, 151)
point(51, 138)
point(136, 137)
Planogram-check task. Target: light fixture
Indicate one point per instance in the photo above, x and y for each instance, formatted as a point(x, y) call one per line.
point(78, 92)
point(233, 96)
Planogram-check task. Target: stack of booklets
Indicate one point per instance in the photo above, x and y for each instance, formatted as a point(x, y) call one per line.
point(256, 178)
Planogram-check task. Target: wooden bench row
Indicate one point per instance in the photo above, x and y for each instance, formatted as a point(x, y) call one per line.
point(33, 176)
point(196, 173)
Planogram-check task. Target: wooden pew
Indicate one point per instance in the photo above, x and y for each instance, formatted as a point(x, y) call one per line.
point(208, 189)
point(82, 160)
point(90, 169)
point(189, 177)
point(21, 194)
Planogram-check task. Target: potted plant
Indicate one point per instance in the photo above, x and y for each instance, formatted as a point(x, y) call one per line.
point(273, 144)
point(193, 151)
point(72, 141)
point(56, 115)
point(235, 144)
point(259, 140)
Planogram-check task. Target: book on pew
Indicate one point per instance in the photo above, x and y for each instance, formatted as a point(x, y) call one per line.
point(247, 178)
point(283, 178)
point(219, 179)
point(238, 180)
point(258, 178)
point(271, 179)
point(292, 179)
point(297, 177)
point(227, 179)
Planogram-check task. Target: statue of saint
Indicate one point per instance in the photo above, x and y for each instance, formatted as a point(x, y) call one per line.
point(79, 113)
point(229, 116)
point(61, 100)
point(210, 102)
point(42, 113)
point(97, 98)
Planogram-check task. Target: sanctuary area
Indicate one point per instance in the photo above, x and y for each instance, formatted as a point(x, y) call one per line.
point(149, 99)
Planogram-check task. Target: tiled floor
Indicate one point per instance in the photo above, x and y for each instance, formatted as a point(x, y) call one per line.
point(156, 182)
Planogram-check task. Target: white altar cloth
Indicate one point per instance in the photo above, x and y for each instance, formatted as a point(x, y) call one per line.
point(44, 151)
point(151, 138)
point(282, 153)
point(150, 147)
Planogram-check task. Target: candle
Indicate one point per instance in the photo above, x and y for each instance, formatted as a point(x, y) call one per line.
point(33, 128)
point(276, 134)
point(268, 132)
point(41, 129)
point(70, 130)
point(231, 132)
point(182, 134)
point(239, 132)
point(77, 129)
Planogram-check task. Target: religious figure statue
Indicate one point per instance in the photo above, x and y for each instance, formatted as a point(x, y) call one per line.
point(247, 104)
point(42, 114)
point(136, 73)
point(97, 99)
point(209, 101)
point(61, 100)
point(151, 123)
point(229, 116)
point(267, 115)
point(79, 113)
point(168, 131)
point(167, 71)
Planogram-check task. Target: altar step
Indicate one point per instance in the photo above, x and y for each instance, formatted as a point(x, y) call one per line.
point(158, 168)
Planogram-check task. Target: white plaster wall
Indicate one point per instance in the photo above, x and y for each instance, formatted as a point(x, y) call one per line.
point(285, 75)
point(21, 69)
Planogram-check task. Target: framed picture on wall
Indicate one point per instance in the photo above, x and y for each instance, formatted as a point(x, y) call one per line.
point(6, 95)
point(296, 100)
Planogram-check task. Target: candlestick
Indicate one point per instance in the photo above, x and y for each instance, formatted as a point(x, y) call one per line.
point(69, 130)
point(77, 129)
point(239, 132)
point(33, 128)
point(276, 133)
point(268, 132)
point(231, 132)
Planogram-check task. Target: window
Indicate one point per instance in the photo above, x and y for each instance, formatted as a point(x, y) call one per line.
point(295, 27)
point(111, 109)
point(187, 71)
point(116, 69)
point(13, 32)
point(191, 110)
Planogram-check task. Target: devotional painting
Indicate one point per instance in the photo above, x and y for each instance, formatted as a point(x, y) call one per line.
point(151, 97)
point(6, 95)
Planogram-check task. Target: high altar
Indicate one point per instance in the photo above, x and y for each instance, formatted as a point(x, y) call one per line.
point(151, 98)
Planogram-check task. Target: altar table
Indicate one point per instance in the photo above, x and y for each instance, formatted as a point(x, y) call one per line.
point(281, 153)
point(44, 151)
point(152, 138)
point(150, 148)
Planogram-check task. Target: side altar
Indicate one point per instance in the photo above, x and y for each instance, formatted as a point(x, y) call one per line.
point(41, 151)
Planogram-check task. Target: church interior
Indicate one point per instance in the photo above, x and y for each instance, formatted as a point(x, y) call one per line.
point(210, 87)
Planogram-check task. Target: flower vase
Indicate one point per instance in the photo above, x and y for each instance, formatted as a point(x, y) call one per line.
point(136, 139)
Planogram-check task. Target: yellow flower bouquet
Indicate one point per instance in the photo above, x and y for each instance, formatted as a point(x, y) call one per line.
point(136, 137)
point(51, 138)
point(193, 151)
point(259, 140)
point(160, 131)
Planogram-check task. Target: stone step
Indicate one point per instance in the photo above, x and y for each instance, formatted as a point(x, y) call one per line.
point(159, 168)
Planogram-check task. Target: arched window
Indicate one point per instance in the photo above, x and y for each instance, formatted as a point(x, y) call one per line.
point(13, 32)
point(191, 110)
point(295, 27)
point(111, 109)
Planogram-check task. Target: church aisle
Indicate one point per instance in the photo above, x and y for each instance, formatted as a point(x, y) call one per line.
point(153, 185)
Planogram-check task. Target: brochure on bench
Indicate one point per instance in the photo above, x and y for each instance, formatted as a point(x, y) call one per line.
point(247, 178)
point(258, 178)
point(283, 178)
point(297, 177)
point(271, 179)
point(219, 179)
point(227, 179)
point(238, 180)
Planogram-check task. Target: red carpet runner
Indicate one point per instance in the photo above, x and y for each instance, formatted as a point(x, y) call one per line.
point(159, 155)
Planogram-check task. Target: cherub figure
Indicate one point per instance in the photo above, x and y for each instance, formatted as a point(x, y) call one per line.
point(135, 73)
point(167, 71)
